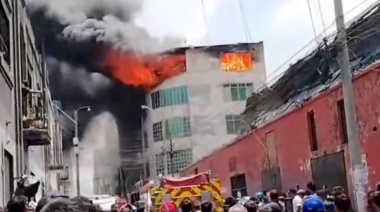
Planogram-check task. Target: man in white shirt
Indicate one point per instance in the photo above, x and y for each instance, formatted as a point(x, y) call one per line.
point(298, 201)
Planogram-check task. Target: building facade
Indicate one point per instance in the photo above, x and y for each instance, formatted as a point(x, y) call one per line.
point(296, 155)
point(198, 111)
point(299, 125)
point(29, 126)
point(9, 144)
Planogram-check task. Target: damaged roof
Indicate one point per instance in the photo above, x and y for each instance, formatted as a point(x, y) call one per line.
point(318, 71)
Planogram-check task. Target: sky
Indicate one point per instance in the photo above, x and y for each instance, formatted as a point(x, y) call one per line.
point(284, 26)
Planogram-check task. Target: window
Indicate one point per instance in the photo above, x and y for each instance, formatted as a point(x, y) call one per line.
point(160, 169)
point(181, 159)
point(233, 124)
point(312, 131)
point(170, 97)
point(238, 186)
point(196, 171)
point(178, 127)
point(237, 92)
point(342, 121)
point(4, 35)
point(157, 131)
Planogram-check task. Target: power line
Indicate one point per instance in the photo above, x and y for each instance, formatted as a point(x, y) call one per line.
point(322, 19)
point(244, 21)
point(312, 21)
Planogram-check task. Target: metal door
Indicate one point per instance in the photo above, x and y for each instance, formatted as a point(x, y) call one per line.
point(329, 170)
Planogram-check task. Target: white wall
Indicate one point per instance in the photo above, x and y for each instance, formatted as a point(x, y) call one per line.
point(207, 106)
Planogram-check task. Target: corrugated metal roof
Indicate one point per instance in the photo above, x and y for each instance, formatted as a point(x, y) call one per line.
point(318, 71)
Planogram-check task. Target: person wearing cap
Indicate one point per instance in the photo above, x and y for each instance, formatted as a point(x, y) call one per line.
point(313, 204)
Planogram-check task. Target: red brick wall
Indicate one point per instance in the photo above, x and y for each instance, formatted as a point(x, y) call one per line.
point(291, 138)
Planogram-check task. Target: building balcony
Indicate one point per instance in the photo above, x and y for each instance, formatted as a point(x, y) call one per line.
point(35, 132)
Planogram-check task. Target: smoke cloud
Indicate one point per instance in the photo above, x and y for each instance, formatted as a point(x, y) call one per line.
point(111, 22)
point(74, 36)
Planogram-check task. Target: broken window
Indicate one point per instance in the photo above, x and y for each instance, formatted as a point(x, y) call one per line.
point(342, 121)
point(312, 131)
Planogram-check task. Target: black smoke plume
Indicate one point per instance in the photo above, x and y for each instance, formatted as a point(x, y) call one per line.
point(76, 76)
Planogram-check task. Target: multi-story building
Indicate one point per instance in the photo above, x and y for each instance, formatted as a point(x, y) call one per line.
point(30, 136)
point(199, 110)
point(9, 144)
point(42, 133)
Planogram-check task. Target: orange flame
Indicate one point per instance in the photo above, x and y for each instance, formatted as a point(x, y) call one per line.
point(237, 62)
point(147, 71)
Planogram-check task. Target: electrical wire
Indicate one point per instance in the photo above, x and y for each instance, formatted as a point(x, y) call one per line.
point(322, 18)
point(244, 21)
point(277, 72)
point(305, 47)
point(312, 21)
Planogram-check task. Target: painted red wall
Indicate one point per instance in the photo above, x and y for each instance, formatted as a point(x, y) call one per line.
point(292, 139)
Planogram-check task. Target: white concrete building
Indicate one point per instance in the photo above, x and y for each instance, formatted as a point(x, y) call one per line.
point(201, 107)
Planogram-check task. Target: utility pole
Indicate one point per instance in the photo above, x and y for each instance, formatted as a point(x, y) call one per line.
point(171, 154)
point(76, 150)
point(359, 172)
point(143, 146)
point(76, 145)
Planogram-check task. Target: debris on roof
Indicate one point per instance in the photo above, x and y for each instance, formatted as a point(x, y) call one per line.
point(318, 71)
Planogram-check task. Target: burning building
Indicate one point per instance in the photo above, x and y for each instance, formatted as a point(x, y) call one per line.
point(198, 110)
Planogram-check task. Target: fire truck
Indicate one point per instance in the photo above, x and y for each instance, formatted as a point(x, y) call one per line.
point(198, 188)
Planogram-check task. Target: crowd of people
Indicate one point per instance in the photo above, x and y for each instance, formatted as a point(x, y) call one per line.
point(295, 200)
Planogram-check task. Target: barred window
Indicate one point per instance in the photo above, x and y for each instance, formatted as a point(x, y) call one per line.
point(237, 91)
point(233, 123)
point(181, 159)
point(157, 131)
point(170, 97)
point(178, 127)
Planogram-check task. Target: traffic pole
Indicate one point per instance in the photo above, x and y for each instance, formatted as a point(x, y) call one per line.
point(359, 171)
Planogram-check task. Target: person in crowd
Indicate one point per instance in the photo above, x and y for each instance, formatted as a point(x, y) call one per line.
point(274, 202)
point(207, 206)
point(251, 205)
point(262, 199)
point(41, 203)
point(313, 204)
point(298, 200)
point(168, 207)
point(187, 205)
point(237, 208)
point(228, 203)
point(311, 188)
point(64, 205)
point(16, 204)
point(342, 203)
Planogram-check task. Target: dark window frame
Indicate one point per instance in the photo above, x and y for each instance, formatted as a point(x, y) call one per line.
point(342, 121)
point(312, 128)
point(239, 184)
